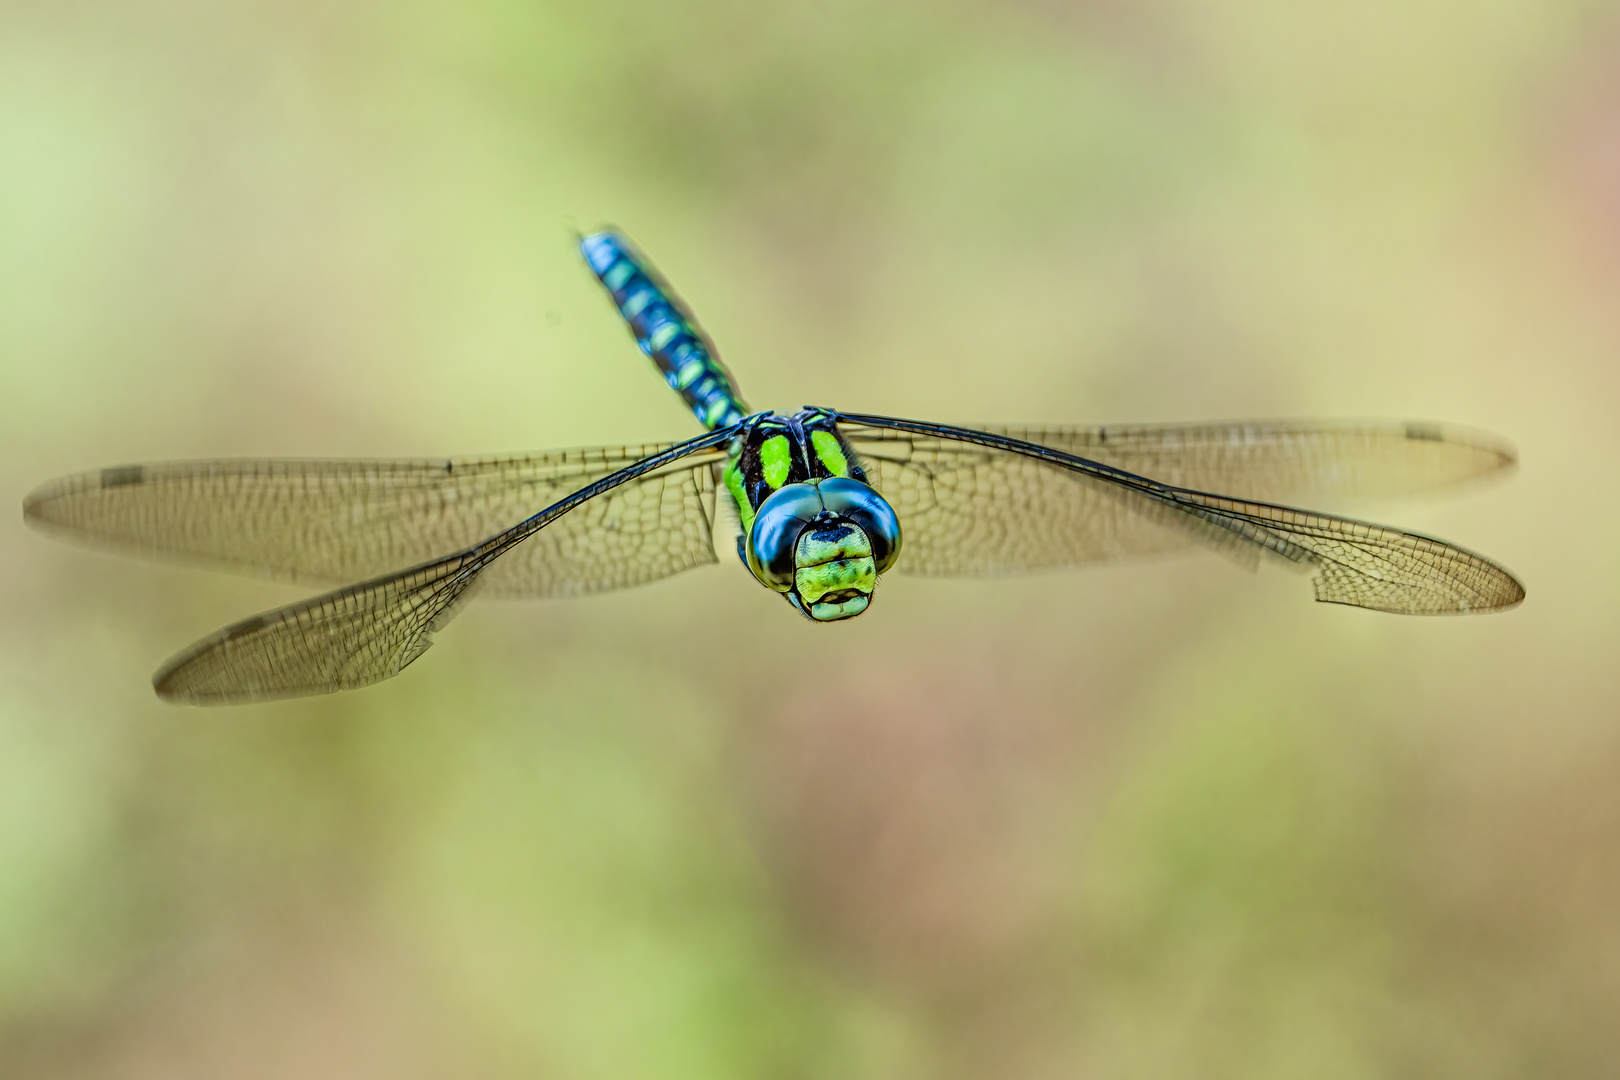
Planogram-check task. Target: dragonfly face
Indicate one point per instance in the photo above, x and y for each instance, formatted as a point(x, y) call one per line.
point(823, 544)
point(813, 529)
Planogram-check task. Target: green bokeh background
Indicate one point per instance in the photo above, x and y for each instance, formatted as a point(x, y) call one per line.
point(1157, 820)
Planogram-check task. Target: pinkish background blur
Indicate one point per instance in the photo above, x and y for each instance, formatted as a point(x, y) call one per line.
point(1159, 820)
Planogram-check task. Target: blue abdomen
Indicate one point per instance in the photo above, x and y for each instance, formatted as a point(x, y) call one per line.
point(663, 329)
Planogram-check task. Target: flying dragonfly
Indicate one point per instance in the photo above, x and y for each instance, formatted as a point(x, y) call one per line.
point(821, 503)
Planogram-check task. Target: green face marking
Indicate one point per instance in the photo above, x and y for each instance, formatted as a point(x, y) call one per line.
point(827, 611)
point(817, 546)
point(775, 458)
point(834, 573)
point(829, 452)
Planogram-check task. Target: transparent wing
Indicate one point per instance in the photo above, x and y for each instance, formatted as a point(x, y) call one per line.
point(326, 522)
point(640, 523)
point(1283, 460)
point(981, 503)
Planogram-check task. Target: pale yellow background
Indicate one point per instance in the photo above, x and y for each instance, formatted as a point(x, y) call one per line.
point(1162, 820)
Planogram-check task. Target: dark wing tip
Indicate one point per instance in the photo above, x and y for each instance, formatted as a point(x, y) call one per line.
point(169, 685)
point(36, 503)
point(196, 676)
point(1497, 588)
point(42, 507)
point(1512, 597)
point(1470, 585)
point(182, 680)
point(1506, 454)
point(175, 681)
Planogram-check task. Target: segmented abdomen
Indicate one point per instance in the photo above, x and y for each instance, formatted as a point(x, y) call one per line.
point(664, 329)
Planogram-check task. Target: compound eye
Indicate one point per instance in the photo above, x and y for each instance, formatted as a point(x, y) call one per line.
point(865, 507)
point(775, 535)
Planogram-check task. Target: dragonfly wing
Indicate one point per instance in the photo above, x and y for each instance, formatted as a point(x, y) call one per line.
point(649, 528)
point(1279, 460)
point(318, 521)
point(1362, 564)
point(982, 503)
point(639, 526)
point(975, 511)
point(340, 641)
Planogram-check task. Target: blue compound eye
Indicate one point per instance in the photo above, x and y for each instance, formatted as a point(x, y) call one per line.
point(777, 525)
point(859, 503)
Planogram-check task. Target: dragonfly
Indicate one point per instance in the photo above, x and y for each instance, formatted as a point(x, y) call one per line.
point(819, 504)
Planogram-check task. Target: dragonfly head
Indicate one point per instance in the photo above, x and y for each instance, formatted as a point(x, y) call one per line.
point(823, 545)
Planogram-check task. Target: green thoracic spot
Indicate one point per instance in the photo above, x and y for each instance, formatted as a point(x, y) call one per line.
point(775, 459)
point(831, 454)
point(733, 480)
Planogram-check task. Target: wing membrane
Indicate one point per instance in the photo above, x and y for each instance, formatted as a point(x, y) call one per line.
point(1282, 460)
point(982, 503)
point(329, 522)
point(340, 641)
point(369, 632)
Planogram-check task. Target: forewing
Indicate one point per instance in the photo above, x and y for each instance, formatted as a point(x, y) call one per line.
point(979, 503)
point(324, 521)
point(654, 526)
point(1284, 460)
point(640, 525)
point(974, 511)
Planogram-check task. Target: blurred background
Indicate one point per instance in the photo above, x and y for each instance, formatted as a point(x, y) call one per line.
point(1154, 820)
